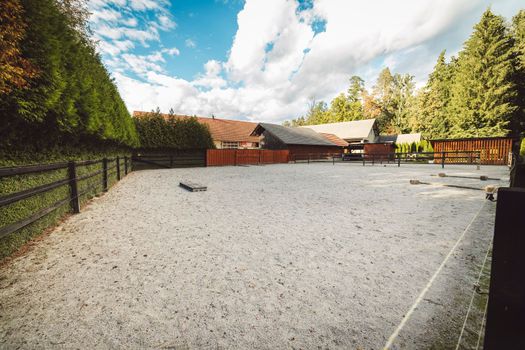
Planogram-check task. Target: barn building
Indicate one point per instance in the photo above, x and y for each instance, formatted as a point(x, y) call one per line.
point(299, 141)
point(356, 132)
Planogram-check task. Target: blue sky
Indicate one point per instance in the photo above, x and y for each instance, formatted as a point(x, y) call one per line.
point(265, 60)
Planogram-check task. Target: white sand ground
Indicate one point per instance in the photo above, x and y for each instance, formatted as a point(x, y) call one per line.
point(270, 257)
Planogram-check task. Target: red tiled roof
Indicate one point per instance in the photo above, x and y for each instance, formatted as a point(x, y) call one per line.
point(334, 139)
point(221, 129)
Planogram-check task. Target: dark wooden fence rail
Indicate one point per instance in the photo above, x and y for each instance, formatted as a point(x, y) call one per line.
point(109, 167)
point(451, 157)
point(317, 157)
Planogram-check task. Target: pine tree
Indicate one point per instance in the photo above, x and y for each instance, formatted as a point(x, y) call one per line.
point(483, 91)
point(402, 99)
point(383, 93)
point(518, 33)
point(431, 114)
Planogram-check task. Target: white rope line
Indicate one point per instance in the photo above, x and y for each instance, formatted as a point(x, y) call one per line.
point(482, 323)
point(429, 284)
point(473, 295)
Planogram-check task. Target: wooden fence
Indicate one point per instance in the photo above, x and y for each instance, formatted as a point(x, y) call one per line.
point(72, 181)
point(493, 150)
point(152, 159)
point(442, 158)
point(220, 157)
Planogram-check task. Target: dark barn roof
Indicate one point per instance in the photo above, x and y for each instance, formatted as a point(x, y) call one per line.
point(293, 136)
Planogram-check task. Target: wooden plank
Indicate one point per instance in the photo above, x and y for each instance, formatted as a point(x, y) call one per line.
point(27, 169)
point(192, 186)
point(15, 197)
point(6, 230)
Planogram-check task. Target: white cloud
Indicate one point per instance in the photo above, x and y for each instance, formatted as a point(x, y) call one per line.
point(277, 61)
point(172, 52)
point(190, 43)
point(211, 78)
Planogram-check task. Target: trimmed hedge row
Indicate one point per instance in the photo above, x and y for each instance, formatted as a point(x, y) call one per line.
point(24, 208)
point(167, 131)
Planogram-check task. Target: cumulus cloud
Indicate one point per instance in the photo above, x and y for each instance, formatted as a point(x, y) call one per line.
point(284, 54)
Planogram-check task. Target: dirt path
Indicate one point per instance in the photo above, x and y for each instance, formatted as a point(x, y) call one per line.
point(281, 256)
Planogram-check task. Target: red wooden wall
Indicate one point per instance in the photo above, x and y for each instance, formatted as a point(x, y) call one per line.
point(219, 157)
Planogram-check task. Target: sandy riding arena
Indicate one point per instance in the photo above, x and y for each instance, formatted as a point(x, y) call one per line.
point(291, 256)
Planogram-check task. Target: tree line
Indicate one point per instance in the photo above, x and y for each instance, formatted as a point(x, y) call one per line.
point(479, 93)
point(54, 89)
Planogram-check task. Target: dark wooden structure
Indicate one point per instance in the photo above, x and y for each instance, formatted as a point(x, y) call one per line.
point(299, 142)
point(192, 186)
point(493, 150)
point(506, 307)
point(379, 150)
point(168, 158)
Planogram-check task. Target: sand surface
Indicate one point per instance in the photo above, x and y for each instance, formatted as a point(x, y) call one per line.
point(299, 256)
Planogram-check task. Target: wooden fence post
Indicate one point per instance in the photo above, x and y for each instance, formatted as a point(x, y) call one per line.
point(73, 185)
point(118, 168)
point(125, 165)
point(105, 174)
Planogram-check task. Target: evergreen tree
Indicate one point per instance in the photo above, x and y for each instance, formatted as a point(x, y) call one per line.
point(73, 97)
point(431, 111)
point(383, 93)
point(518, 32)
point(402, 99)
point(483, 91)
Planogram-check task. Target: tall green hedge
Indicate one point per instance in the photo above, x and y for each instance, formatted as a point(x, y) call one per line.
point(72, 96)
point(167, 131)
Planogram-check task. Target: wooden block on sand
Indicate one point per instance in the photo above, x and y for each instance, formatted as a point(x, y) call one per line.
point(192, 186)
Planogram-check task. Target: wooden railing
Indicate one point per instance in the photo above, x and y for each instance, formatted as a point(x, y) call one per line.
point(71, 180)
point(450, 157)
point(317, 157)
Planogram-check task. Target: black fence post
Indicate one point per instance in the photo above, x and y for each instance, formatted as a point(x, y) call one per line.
point(73, 185)
point(118, 168)
point(363, 156)
point(505, 316)
point(171, 160)
point(125, 165)
point(398, 160)
point(442, 160)
point(105, 174)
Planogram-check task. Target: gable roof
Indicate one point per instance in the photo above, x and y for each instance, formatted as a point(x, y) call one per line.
point(399, 139)
point(293, 136)
point(220, 129)
point(334, 139)
point(353, 130)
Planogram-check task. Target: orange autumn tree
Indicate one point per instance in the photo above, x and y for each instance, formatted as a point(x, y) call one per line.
point(15, 70)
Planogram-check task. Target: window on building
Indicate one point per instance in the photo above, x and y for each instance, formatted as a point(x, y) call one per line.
point(230, 145)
